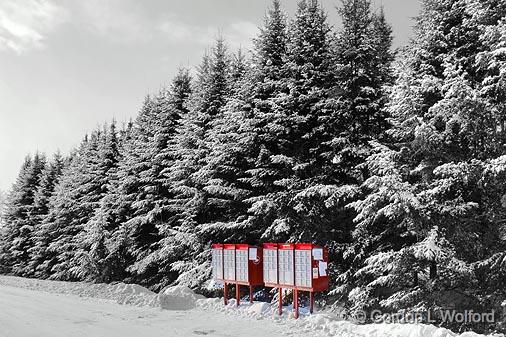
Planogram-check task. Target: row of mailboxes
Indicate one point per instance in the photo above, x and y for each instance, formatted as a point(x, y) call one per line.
point(237, 263)
point(296, 265)
point(299, 266)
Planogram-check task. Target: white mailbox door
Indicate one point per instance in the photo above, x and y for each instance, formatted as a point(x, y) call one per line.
point(286, 267)
point(229, 264)
point(271, 266)
point(217, 255)
point(241, 259)
point(303, 276)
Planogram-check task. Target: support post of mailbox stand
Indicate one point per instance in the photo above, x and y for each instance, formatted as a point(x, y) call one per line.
point(251, 294)
point(225, 293)
point(296, 302)
point(280, 301)
point(311, 302)
point(237, 294)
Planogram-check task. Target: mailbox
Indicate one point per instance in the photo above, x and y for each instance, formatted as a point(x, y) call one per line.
point(286, 276)
point(248, 265)
point(270, 263)
point(242, 265)
point(217, 262)
point(229, 262)
point(297, 266)
point(311, 267)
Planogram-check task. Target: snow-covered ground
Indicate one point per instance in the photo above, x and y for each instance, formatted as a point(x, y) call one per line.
point(37, 313)
point(53, 309)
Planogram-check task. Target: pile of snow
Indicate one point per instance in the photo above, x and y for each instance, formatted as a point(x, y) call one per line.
point(327, 324)
point(183, 298)
point(171, 298)
point(122, 293)
point(178, 298)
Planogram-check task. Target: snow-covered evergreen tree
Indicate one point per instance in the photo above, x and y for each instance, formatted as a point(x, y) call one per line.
point(20, 217)
point(422, 228)
point(48, 181)
point(158, 213)
point(88, 262)
point(191, 201)
point(78, 193)
point(3, 202)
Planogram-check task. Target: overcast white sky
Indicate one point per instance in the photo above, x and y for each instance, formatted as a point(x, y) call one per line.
point(67, 66)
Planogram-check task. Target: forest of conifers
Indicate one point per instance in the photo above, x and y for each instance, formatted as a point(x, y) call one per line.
point(320, 133)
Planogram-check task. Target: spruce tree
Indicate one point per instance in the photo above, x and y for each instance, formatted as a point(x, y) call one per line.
point(429, 188)
point(160, 213)
point(78, 193)
point(264, 84)
point(20, 217)
point(193, 203)
point(116, 207)
point(88, 262)
point(48, 181)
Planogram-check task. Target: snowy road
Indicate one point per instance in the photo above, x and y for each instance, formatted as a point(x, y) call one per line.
point(27, 313)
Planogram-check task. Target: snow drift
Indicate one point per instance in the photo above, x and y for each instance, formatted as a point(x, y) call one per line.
point(327, 324)
point(183, 298)
point(178, 298)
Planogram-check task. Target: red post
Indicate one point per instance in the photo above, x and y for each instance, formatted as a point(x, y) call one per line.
point(280, 301)
point(251, 294)
point(311, 301)
point(237, 294)
point(296, 302)
point(225, 293)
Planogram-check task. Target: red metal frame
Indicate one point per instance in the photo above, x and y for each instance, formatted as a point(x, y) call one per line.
point(255, 274)
point(256, 277)
point(321, 283)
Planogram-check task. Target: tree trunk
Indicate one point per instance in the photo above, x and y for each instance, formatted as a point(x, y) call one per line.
point(433, 270)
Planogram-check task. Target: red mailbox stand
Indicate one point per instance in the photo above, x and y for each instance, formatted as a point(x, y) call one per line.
point(249, 268)
point(296, 266)
point(242, 265)
point(310, 271)
point(299, 266)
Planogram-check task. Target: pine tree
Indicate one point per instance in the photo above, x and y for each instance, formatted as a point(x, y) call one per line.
point(287, 120)
point(78, 193)
point(48, 181)
point(430, 187)
point(117, 206)
point(161, 214)
point(3, 202)
point(89, 263)
point(193, 203)
point(265, 82)
point(20, 217)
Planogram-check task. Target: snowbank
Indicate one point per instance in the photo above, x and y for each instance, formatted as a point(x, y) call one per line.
point(327, 324)
point(183, 298)
point(171, 298)
point(178, 298)
point(122, 293)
